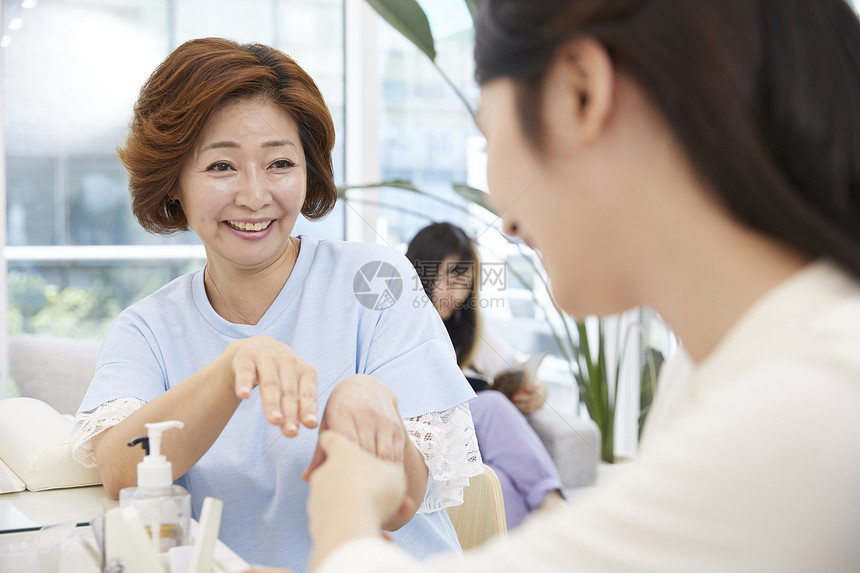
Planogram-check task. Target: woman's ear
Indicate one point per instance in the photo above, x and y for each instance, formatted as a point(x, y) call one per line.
point(174, 193)
point(577, 95)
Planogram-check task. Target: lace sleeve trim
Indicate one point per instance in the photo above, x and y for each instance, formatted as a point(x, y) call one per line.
point(447, 441)
point(88, 424)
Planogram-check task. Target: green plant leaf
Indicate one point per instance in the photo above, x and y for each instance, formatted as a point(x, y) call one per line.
point(475, 196)
point(474, 7)
point(591, 390)
point(408, 18)
point(396, 183)
point(600, 382)
point(653, 363)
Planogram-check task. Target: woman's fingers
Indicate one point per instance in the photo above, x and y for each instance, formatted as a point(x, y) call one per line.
point(298, 394)
point(270, 388)
point(288, 393)
point(356, 478)
point(384, 445)
point(367, 407)
point(308, 388)
point(288, 384)
point(244, 375)
point(381, 437)
point(389, 440)
point(398, 442)
point(366, 432)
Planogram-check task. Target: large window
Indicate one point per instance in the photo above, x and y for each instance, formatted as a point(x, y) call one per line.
point(428, 137)
point(424, 128)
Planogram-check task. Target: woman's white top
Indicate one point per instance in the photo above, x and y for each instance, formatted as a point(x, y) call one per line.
point(750, 460)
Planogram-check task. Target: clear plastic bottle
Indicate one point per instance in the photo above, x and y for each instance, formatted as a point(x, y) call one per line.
point(164, 508)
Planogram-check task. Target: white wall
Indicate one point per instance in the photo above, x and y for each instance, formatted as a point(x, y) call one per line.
point(3, 345)
point(362, 119)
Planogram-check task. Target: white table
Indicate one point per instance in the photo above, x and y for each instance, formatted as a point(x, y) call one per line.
point(31, 510)
point(23, 514)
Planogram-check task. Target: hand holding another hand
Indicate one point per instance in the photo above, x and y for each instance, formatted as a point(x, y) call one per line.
point(364, 410)
point(353, 494)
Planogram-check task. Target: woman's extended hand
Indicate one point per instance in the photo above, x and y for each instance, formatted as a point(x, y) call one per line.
point(288, 384)
point(364, 410)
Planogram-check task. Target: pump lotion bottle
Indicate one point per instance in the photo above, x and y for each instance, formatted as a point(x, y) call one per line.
point(164, 508)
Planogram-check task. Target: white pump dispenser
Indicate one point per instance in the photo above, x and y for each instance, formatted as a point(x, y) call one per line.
point(155, 470)
point(164, 508)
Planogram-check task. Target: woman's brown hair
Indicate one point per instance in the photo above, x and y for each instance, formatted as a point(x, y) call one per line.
point(427, 250)
point(763, 94)
point(181, 94)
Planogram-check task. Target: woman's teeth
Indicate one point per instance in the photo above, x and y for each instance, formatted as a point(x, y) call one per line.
point(243, 226)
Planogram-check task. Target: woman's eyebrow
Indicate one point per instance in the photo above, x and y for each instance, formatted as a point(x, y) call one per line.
point(220, 145)
point(278, 143)
point(235, 144)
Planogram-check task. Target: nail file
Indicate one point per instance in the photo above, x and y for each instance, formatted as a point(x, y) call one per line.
point(203, 556)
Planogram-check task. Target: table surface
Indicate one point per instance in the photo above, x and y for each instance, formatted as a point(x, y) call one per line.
point(31, 510)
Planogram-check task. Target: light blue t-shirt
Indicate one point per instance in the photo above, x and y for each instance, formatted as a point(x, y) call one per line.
point(347, 308)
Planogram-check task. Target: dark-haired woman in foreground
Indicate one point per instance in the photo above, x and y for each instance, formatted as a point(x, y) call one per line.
point(702, 158)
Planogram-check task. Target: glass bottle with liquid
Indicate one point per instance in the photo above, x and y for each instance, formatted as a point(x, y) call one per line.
point(164, 508)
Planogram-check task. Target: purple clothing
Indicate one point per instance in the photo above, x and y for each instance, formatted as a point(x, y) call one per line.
point(511, 447)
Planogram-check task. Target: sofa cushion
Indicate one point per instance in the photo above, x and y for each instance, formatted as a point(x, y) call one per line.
point(54, 370)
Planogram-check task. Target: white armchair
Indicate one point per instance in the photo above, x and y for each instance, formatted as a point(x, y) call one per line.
point(573, 444)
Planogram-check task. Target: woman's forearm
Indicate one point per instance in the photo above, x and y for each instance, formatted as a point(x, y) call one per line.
point(204, 401)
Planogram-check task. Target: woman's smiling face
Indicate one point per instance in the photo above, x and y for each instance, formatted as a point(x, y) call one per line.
point(243, 188)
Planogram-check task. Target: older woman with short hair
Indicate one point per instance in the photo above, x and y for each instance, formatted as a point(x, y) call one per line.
point(234, 141)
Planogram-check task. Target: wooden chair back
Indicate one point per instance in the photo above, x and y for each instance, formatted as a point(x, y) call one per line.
point(482, 514)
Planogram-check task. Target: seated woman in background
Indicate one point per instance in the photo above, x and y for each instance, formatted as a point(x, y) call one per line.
point(702, 158)
point(234, 141)
point(447, 264)
point(446, 261)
